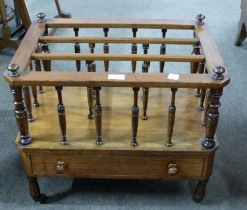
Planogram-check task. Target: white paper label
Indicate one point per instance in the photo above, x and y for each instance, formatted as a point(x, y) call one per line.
point(173, 76)
point(116, 76)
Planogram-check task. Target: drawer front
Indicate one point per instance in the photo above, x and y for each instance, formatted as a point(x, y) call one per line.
point(117, 166)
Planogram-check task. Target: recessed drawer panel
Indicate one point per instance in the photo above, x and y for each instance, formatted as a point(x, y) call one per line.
point(117, 166)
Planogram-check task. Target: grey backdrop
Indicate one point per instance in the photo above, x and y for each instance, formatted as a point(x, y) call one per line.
point(227, 187)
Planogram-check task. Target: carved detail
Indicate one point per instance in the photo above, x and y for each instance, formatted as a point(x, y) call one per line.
point(212, 117)
point(171, 118)
point(61, 116)
point(98, 117)
point(21, 115)
point(135, 117)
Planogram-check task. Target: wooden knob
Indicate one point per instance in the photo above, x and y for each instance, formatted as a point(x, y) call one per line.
point(200, 19)
point(41, 17)
point(13, 70)
point(218, 72)
point(60, 167)
point(172, 169)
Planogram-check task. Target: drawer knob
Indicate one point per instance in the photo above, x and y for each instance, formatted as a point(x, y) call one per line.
point(172, 169)
point(60, 167)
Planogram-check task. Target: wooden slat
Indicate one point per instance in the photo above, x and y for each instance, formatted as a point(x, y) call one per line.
point(94, 79)
point(61, 39)
point(117, 57)
point(121, 23)
point(27, 46)
point(210, 49)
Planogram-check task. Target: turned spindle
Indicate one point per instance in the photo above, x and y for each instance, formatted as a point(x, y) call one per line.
point(145, 90)
point(202, 99)
point(98, 117)
point(212, 117)
point(37, 65)
point(200, 71)
point(134, 49)
point(204, 121)
point(106, 49)
point(61, 116)
point(171, 118)
point(200, 191)
point(135, 118)
point(28, 102)
point(90, 91)
point(35, 96)
point(21, 115)
point(163, 51)
point(46, 63)
point(194, 65)
point(77, 50)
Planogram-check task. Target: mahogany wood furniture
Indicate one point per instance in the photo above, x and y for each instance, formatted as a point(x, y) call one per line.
point(95, 133)
point(242, 33)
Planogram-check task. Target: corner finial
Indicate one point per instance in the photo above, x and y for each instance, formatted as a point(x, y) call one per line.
point(41, 17)
point(200, 19)
point(218, 72)
point(13, 70)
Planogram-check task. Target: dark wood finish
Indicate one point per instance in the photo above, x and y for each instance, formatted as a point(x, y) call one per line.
point(90, 91)
point(21, 115)
point(200, 70)
point(28, 102)
point(134, 49)
point(106, 49)
point(37, 64)
point(98, 117)
point(163, 51)
point(35, 191)
point(145, 90)
point(242, 33)
point(171, 118)
point(61, 116)
point(61, 13)
point(204, 121)
point(135, 117)
point(202, 99)
point(200, 190)
point(77, 50)
point(194, 65)
point(212, 117)
point(35, 96)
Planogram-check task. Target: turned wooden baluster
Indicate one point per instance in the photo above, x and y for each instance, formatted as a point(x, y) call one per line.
point(145, 51)
point(91, 47)
point(90, 91)
point(145, 90)
point(194, 65)
point(200, 71)
point(37, 64)
point(171, 118)
point(106, 49)
point(135, 117)
point(20, 109)
point(77, 50)
point(204, 121)
point(61, 116)
point(28, 102)
point(163, 51)
point(35, 191)
point(34, 90)
point(213, 106)
point(45, 46)
point(134, 49)
point(98, 117)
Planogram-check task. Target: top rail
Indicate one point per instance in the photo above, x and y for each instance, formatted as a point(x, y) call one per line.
point(121, 23)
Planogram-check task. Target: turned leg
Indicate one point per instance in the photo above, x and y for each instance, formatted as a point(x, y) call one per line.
point(241, 34)
point(34, 190)
point(200, 191)
point(28, 102)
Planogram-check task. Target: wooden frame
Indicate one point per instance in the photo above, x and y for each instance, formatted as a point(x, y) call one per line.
point(208, 74)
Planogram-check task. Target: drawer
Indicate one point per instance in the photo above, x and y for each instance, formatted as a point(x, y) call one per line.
point(92, 166)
